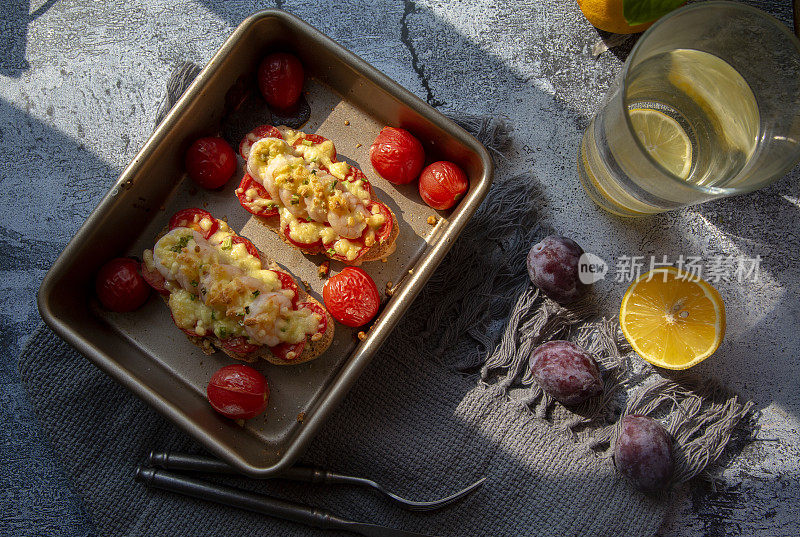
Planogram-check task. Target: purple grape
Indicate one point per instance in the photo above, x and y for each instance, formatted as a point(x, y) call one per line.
point(553, 268)
point(643, 453)
point(566, 372)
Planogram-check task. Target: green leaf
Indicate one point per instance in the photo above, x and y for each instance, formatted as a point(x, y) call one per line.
point(641, 11)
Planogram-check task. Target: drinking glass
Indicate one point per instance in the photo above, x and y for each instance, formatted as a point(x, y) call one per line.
point(707, 105)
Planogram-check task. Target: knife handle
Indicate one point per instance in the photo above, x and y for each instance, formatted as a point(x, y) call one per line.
point(241, 499)
point(199, 463)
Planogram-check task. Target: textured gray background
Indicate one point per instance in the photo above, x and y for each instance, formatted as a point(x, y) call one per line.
point(80, 83)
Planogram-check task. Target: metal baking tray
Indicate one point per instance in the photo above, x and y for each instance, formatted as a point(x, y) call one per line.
point(350, 102)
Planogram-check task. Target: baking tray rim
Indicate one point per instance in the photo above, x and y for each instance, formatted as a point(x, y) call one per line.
point(343, 380)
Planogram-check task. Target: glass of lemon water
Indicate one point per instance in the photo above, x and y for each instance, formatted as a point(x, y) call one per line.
point(707, 105)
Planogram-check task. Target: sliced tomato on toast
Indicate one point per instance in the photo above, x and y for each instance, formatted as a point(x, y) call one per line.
point(262, 131)
point(383, 233)
point(239, 345)
point(250, 204)
point(288, 351)
point(300, 244)
point(196, 219)
point(155, 279)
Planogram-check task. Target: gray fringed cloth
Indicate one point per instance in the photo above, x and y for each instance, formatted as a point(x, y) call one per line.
point(447, 400)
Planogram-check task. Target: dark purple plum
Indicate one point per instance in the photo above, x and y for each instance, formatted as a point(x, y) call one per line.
point(643, 453)
point(553, 268)
point(566, 372)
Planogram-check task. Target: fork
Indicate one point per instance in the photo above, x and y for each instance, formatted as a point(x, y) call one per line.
point(198, 463)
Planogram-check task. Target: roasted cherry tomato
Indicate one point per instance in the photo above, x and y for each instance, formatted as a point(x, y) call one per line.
point(210, 162)
point(250, 204)
point(442, 184)
point(154, 278)
point(119, 285)
point(287, 282)
point(280, 79)
point(239, 345)
point(238, 392)
point(251, 249)
point(397, 156)
point(288, 351)
point(263, 131)
point(351, 297)
point(196, 219)
point(383, 233)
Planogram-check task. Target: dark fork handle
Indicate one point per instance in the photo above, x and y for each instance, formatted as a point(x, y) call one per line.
point(199, 463)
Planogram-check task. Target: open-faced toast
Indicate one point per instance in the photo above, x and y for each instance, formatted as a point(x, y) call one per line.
point(225, 295)
point(297, 188)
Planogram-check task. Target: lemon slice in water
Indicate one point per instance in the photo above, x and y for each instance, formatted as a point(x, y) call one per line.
point(664, 139)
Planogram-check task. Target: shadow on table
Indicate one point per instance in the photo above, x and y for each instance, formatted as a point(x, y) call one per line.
point(15, 16)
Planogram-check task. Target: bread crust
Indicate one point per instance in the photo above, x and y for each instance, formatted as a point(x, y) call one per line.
point(312, 349)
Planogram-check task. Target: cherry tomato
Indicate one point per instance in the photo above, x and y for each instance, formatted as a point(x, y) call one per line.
point(251, 249)
point(442, 184)
point(250, 205)
point(287, 282)
point(238, 345)
point(154, 278)
point(263, 131)
point(282, 351)
point(280, 79)
point(210, 162)
point(119, 285)
point(396, 155)
point(238, 392)
point(351, 297)
point(192, 218)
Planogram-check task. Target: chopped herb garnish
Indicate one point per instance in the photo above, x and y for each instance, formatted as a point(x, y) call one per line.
point(331, 251)
point(192, 298)
point(203, 290)
point(333, 185)
point(227, 243)
point(314, 172)
point(307, 142)
point(256, 293)
point(213, 315)
point(247, 309)
point(182, 242)
point(223, 333)
point(194, 283)
point(305, 181)
point(295, 199)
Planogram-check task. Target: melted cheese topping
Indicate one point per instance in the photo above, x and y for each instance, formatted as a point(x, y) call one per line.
point(217, 287)
point(316, 204)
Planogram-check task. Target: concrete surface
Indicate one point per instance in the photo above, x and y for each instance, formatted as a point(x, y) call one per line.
point(80, 83)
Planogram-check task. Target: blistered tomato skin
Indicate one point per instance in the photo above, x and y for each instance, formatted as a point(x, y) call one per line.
point(119, 285)
point(442, 184)
point(210, 162)
point(643, 453)
point(238, 392)
point(280, 79)
point(553, 268)
point(397, 155)
point(351, 297)
point(566, 371)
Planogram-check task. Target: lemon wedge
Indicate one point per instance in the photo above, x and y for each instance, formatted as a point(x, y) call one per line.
point(671, 319)
point(664, 139)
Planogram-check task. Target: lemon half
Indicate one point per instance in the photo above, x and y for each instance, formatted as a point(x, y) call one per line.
point(664, 139)
point(671, 319)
